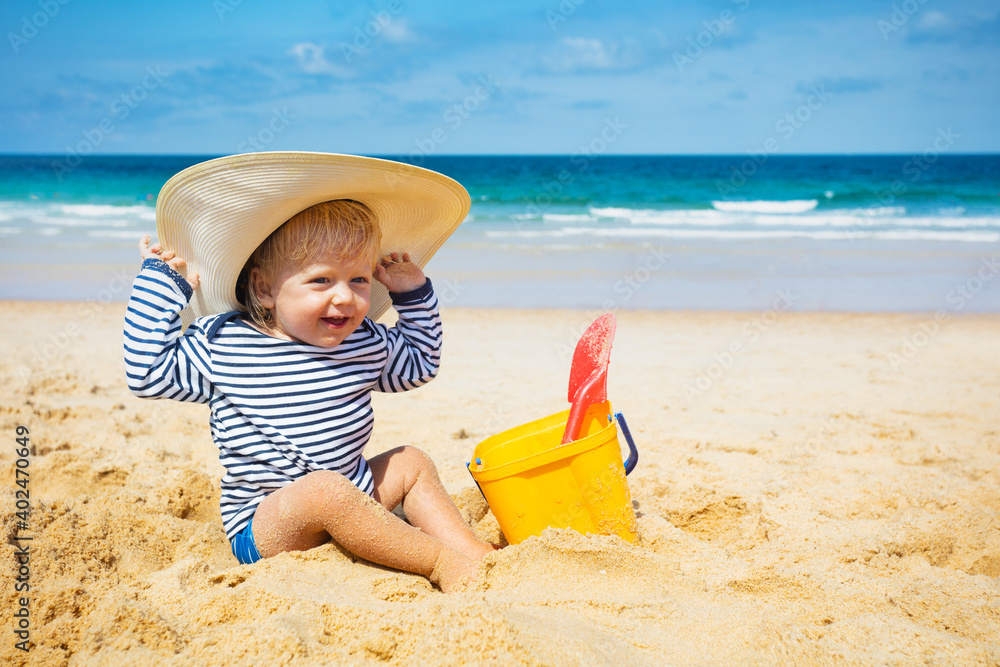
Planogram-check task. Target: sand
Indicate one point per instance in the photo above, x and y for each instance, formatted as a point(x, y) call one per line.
point(812, 489)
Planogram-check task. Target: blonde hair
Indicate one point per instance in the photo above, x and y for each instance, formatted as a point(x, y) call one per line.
point(347, 227)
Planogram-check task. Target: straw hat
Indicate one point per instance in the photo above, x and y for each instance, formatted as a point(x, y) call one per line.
point(215, 214)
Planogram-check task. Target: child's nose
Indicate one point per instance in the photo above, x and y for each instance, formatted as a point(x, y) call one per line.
point(342, 294)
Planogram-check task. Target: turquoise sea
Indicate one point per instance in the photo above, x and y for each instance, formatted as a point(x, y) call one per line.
point(851, 233)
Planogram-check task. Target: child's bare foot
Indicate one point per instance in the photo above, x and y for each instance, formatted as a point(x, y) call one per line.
point(481, 551)
point(453, 572)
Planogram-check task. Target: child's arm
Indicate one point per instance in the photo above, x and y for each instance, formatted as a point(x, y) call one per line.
point(160, 361)
point(415, 341)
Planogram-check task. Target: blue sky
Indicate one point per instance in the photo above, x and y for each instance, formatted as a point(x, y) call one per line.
point(397, 77)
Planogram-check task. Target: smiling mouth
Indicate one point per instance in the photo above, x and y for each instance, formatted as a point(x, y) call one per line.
point(336, 322)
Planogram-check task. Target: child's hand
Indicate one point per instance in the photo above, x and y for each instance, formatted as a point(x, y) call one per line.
point(155, 251)
point(399, 274)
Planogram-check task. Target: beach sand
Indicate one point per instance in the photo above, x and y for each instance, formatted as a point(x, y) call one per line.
point(812, 489)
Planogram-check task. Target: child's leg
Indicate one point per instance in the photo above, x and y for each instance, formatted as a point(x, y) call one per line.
point(408, 475)
point(324, 504)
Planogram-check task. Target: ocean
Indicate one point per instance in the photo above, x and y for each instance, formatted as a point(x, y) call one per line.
point(901, 233)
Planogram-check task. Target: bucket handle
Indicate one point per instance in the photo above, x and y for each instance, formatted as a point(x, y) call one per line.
point(468, 466)
point(633, 453)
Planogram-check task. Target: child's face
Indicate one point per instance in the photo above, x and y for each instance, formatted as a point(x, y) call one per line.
point(320, 303)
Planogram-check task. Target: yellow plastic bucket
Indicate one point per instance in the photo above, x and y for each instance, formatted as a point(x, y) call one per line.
point(532, 481)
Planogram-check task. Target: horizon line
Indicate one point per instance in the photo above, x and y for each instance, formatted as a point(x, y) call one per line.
point(522, 155)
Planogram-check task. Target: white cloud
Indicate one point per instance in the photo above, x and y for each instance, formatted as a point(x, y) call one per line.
point(588, 53)
point(934, 21)
point(312, 60)
point(583, 54)
point(398, 32)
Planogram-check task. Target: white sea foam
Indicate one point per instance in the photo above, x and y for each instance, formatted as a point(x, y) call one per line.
point(878, 211)
point(948, 223)
point(110, 234)
point(765, 206)
point(858, 217)
point(105, 210)
point(93, 213)
point(967, 236)
point(62, 221)
point(649, 216)
point(951, 210)
point(611, 212)
point(44, 217)
point(567, 217)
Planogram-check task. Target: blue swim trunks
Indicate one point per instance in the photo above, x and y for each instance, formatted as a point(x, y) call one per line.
point(244, 546)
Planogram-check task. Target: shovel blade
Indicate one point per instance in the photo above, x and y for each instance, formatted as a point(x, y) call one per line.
point(593, 352)
point(588, 377)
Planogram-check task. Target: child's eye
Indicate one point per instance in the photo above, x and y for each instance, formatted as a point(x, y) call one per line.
point(360, 279)
point(320, 281)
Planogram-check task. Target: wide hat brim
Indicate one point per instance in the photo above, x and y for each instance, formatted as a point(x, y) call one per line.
point(215, 214)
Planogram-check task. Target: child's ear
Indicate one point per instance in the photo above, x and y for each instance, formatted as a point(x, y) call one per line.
point(261, 289)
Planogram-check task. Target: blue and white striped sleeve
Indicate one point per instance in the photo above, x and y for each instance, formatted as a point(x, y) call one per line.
point(414, 342)
point(160, 361)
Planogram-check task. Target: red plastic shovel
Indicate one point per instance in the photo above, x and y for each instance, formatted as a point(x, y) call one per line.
point(588, 377)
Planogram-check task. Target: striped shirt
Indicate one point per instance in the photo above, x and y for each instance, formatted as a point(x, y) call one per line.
point(279, 409)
